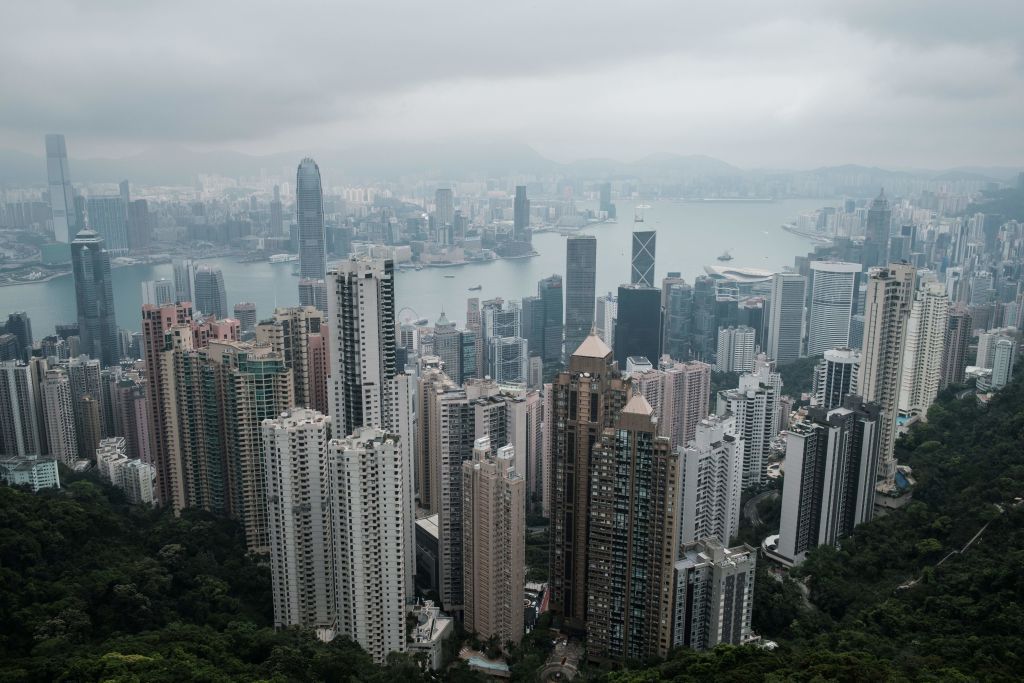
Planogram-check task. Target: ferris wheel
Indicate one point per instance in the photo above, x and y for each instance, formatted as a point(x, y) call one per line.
point(408, 316)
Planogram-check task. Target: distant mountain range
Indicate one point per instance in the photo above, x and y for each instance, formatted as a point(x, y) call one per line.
point(175, 165)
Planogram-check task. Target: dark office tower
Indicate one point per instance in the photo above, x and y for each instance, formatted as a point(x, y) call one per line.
point(210, 296)
point(634, 538)
point(580, 283)
point(704, 324)
point(586, 399)
point(309, 215)
point(276, 213)
point(876, 233)
point(94, 297)
point(831, 459)
point(550, 292)
point(20, 326)
point(606, 205)
point(642, 263)
point(954, 350)
point(62, 198)
point(533, 325)
point(521, 215)
point(638, 326)
point(140, 227)
point(679, 322)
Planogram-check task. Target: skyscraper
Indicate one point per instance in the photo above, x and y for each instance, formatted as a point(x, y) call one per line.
point(494, 543)
point(831, 464)
point(550, 292)
point(586, 399)
point(309, 215)
point(210, 296)
point(833, 297)
point(604, 320)
point(245, 314)
point(711, 483)
point(786, 317)
point(19, 431)
point(835, 377)
point(638, 325)
point(713, 595)
point(372, 539)
point(642, 262)
point(735, 350)
point(94, 298)
point(19, 324)
point(876, 233)
point(754, 406)
point(157, 323)
point(580, 282)
point(276, 213)
point(184, 281)
point(448, 347)
point(678, 320)
point(889, 300)
point(313, 293)
point(59, 416)
point(956, 340)
point(444, 215)
point(633, 538)
point(1003, 356)
point(62, 196)
point(300, 521)
point(521, 215)
point(679, 393)
point(361, 303)
point(922, 357)
point(108, 216)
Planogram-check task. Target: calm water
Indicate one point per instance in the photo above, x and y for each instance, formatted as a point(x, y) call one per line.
point(690, 236)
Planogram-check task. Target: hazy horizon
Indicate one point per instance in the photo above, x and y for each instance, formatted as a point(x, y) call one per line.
point(792, 85)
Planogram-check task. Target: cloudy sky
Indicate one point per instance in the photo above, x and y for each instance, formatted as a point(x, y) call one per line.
point(927, 83)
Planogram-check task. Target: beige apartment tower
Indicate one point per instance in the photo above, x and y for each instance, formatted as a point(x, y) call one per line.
point(494, 543)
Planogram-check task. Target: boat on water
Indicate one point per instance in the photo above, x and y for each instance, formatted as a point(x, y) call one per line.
point(283, 258)
point(449, 276)
point(476, 289)
point(726, 256)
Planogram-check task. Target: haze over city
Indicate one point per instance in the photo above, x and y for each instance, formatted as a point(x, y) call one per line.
point(790, 84)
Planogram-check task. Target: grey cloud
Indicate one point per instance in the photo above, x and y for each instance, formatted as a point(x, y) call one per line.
point(269, 76)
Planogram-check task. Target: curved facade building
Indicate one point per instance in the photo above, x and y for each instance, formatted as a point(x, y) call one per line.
point(309, 214)
point(833, 292)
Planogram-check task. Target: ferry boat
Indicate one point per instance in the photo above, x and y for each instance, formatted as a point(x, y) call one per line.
point(476, 289)
point(726, 256)
point(283, 258)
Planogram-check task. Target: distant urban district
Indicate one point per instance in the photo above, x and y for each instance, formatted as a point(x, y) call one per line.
point(748, 473)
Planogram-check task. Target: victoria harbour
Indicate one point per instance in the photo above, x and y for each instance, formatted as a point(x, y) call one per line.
point(690, 236)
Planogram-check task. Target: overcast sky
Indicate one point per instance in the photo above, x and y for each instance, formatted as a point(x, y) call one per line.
point(765, 83)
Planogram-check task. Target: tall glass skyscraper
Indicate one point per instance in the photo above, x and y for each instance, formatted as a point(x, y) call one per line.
point(521, 215)
point(210, 296)
point(309, 214)
point(833, 292)
point(580, 279)
point(94, 296)
point(642, 263)
point(876, 233)
point(62, 198)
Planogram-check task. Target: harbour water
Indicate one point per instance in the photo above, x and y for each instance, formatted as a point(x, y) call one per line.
point(690, 236)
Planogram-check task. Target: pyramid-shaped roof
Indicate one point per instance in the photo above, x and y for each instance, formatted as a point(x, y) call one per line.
point(593, 347)
point(638, 405)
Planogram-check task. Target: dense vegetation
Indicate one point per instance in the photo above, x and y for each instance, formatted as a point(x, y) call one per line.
point(93, 589)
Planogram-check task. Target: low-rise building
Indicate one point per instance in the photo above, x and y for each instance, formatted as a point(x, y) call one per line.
point(30, 470)
point(428, 635)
